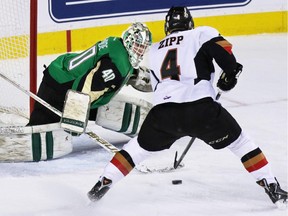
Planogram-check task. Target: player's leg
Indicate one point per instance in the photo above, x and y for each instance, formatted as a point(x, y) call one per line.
point(41, 114)
point(132, 154)
point(224, 131)
point(121, 165)
point(215, 126)
point(54, 94)
point(257, 165)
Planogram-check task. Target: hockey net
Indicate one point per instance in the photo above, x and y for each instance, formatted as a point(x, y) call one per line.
point(17, 57)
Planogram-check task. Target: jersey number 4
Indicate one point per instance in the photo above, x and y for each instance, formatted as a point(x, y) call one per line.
point(169, 68)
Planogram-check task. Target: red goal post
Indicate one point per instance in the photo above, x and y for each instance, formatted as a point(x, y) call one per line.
point(18, 54)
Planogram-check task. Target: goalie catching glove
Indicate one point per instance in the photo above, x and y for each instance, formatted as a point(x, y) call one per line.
point(141, 80)
point(227, 81)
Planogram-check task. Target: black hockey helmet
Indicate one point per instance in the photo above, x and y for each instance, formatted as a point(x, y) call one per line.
point(178, 19)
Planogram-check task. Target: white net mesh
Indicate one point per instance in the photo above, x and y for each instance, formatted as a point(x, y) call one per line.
point(14, 55)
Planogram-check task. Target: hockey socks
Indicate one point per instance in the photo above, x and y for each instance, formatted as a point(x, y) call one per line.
point(254, 160)
point(123, 162)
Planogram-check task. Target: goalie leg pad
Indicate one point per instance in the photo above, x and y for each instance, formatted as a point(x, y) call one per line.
point(123, 114)
point(39, 143)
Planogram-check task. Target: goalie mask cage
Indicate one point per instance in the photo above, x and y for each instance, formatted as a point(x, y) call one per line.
point(18, 54)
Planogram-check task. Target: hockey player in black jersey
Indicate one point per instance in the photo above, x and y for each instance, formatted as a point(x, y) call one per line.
point(182, 74)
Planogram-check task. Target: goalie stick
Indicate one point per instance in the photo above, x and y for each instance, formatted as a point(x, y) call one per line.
point(99, 140)
point(93, 136)
point(35, 97)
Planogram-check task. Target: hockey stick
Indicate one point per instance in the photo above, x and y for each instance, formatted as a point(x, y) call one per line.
point(218, 94)
point(99, 140)
point(177, 163)
point(35, 97)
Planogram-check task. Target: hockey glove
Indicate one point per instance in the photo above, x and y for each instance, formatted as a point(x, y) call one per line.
point(228, 81)
point(141, 80)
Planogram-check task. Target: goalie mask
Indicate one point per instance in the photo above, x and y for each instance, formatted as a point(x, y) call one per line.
point(178, 19)
point(137, 39)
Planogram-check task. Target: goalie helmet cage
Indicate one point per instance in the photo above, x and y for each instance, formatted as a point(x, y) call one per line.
point(18, 54)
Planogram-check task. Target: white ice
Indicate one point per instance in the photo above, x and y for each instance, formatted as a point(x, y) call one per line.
point(214, 182)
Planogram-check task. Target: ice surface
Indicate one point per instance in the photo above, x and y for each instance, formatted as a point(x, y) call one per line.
point(214, 182)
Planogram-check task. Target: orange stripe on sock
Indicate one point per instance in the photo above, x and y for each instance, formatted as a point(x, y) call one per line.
point(254, 160)
point(257, 166)
point(123, 161)
point(120, 166)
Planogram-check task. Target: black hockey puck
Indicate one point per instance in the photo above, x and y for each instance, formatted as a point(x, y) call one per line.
point(176, 182)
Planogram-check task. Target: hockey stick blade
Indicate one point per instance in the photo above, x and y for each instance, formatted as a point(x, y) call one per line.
point(147, 170)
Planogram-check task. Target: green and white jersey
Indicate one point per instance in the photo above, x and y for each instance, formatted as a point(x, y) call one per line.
point(99, 71)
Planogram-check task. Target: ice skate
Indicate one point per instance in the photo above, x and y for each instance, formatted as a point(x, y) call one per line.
point(100, 189)
point(274, 191)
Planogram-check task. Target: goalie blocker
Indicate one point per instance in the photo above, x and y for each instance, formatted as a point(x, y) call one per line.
point(75, 112)
point(123, 114)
